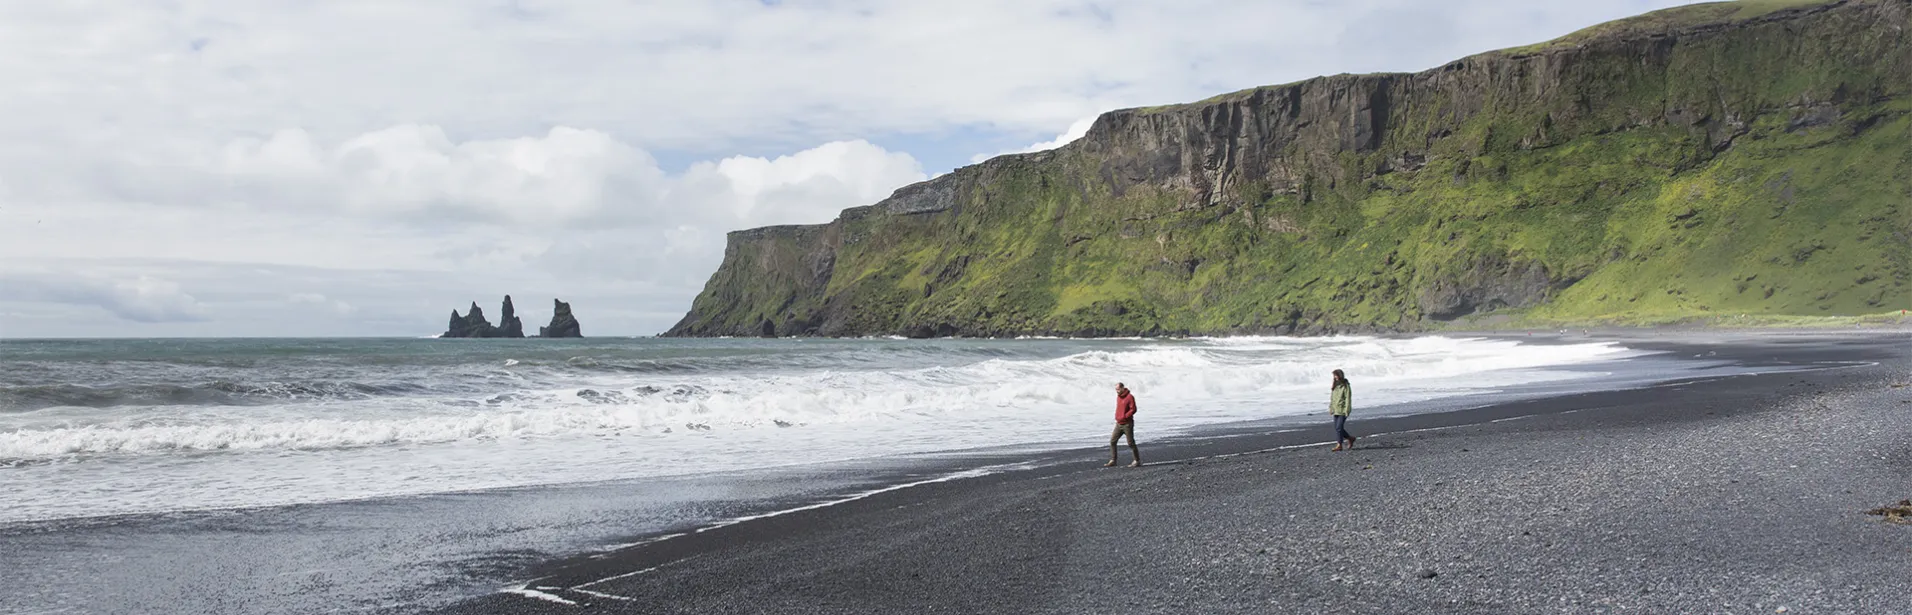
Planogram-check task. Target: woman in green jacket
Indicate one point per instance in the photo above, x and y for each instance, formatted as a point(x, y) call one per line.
point(1340, 403)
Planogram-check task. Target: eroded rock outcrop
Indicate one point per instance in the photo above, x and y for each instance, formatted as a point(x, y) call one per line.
point(1486, 285)
point(509, 325)
point(474, 324)
point(563, 324)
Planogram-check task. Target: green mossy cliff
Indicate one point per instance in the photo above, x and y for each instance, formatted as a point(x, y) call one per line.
point(1721, 159)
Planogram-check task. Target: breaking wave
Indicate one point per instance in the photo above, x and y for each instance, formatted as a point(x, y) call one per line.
point(584, 397)
point(35, 397)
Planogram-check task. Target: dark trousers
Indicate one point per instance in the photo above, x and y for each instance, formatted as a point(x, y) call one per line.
point(1341, 427)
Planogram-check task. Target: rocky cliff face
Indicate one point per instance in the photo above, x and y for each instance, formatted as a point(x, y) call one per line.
point(563, 324)
point(1746, 157)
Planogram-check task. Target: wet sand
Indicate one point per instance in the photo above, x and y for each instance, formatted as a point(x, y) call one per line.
point(1741, 494)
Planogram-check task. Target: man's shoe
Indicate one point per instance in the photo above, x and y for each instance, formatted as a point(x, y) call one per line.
point(1337, 447)
point(1135, 464)
point(1110, 464)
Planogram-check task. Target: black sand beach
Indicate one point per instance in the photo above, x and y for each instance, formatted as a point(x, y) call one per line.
point(1742, 494)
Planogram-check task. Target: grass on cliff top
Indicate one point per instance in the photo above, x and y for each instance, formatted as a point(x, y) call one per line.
point(1656, 21)
point(1237, 94)
point(1669, 19)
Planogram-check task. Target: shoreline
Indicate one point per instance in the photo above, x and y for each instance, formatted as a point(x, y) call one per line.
point(760, 555)
point(1059, 383)
point(1834, 326)
point(457, 550)
point(1742, 325)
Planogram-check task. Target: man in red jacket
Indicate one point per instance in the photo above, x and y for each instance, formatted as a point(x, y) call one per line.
point(1124, 425)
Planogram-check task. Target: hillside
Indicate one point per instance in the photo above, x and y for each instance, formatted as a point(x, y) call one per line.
point(1729, 158)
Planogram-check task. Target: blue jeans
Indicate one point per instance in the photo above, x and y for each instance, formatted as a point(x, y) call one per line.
point(1341, 427)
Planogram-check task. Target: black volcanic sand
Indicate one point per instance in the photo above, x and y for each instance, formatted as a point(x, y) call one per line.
point(1743, 494)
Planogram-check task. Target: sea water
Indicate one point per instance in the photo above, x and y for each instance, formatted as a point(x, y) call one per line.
point(112, 427)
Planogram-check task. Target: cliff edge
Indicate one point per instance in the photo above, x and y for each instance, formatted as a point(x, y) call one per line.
point(1738, 157)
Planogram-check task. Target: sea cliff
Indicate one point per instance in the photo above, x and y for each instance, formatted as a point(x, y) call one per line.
point(1728, 158)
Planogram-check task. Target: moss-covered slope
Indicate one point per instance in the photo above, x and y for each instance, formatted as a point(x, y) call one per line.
point(1731, 158)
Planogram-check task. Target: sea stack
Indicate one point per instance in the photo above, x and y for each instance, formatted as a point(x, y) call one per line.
point(509, 325)
point(473, 323)
point(563, 324)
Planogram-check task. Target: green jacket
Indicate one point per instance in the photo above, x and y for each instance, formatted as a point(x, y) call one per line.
point(1341, 400)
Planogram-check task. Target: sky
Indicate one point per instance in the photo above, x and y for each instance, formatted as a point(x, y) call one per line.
point(363, 167)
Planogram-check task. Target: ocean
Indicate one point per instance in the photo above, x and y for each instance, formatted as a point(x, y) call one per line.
point(617, 439)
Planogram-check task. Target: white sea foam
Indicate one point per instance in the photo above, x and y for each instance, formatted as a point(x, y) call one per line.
point(536, 594)
point(1184, 374)
point(1216, 371)
point(559, 426)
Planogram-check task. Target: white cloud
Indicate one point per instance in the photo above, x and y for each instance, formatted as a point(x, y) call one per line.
point(810, 186)
point(336, 307)
point(563, 176)
point(1076, 130)
point(143, 299)
point(566, 177)
point(684, 237)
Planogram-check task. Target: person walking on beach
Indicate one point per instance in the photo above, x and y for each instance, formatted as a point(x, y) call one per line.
point(1124, 425)
point(1340, 403)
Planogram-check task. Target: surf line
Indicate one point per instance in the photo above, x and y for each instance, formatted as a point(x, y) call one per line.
point(601, 594)
point(532, 593)
point(970, 473)
point(620, 576)
point(528, 591)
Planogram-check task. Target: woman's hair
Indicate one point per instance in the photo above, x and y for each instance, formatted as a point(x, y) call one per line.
point(1339, 379)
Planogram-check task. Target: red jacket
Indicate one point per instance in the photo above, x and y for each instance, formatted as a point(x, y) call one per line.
point(1124, 409)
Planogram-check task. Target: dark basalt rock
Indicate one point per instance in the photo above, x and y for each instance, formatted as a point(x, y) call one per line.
point(563, 324)
point(509, 325)
point(474, 324)
point(1487, 284)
